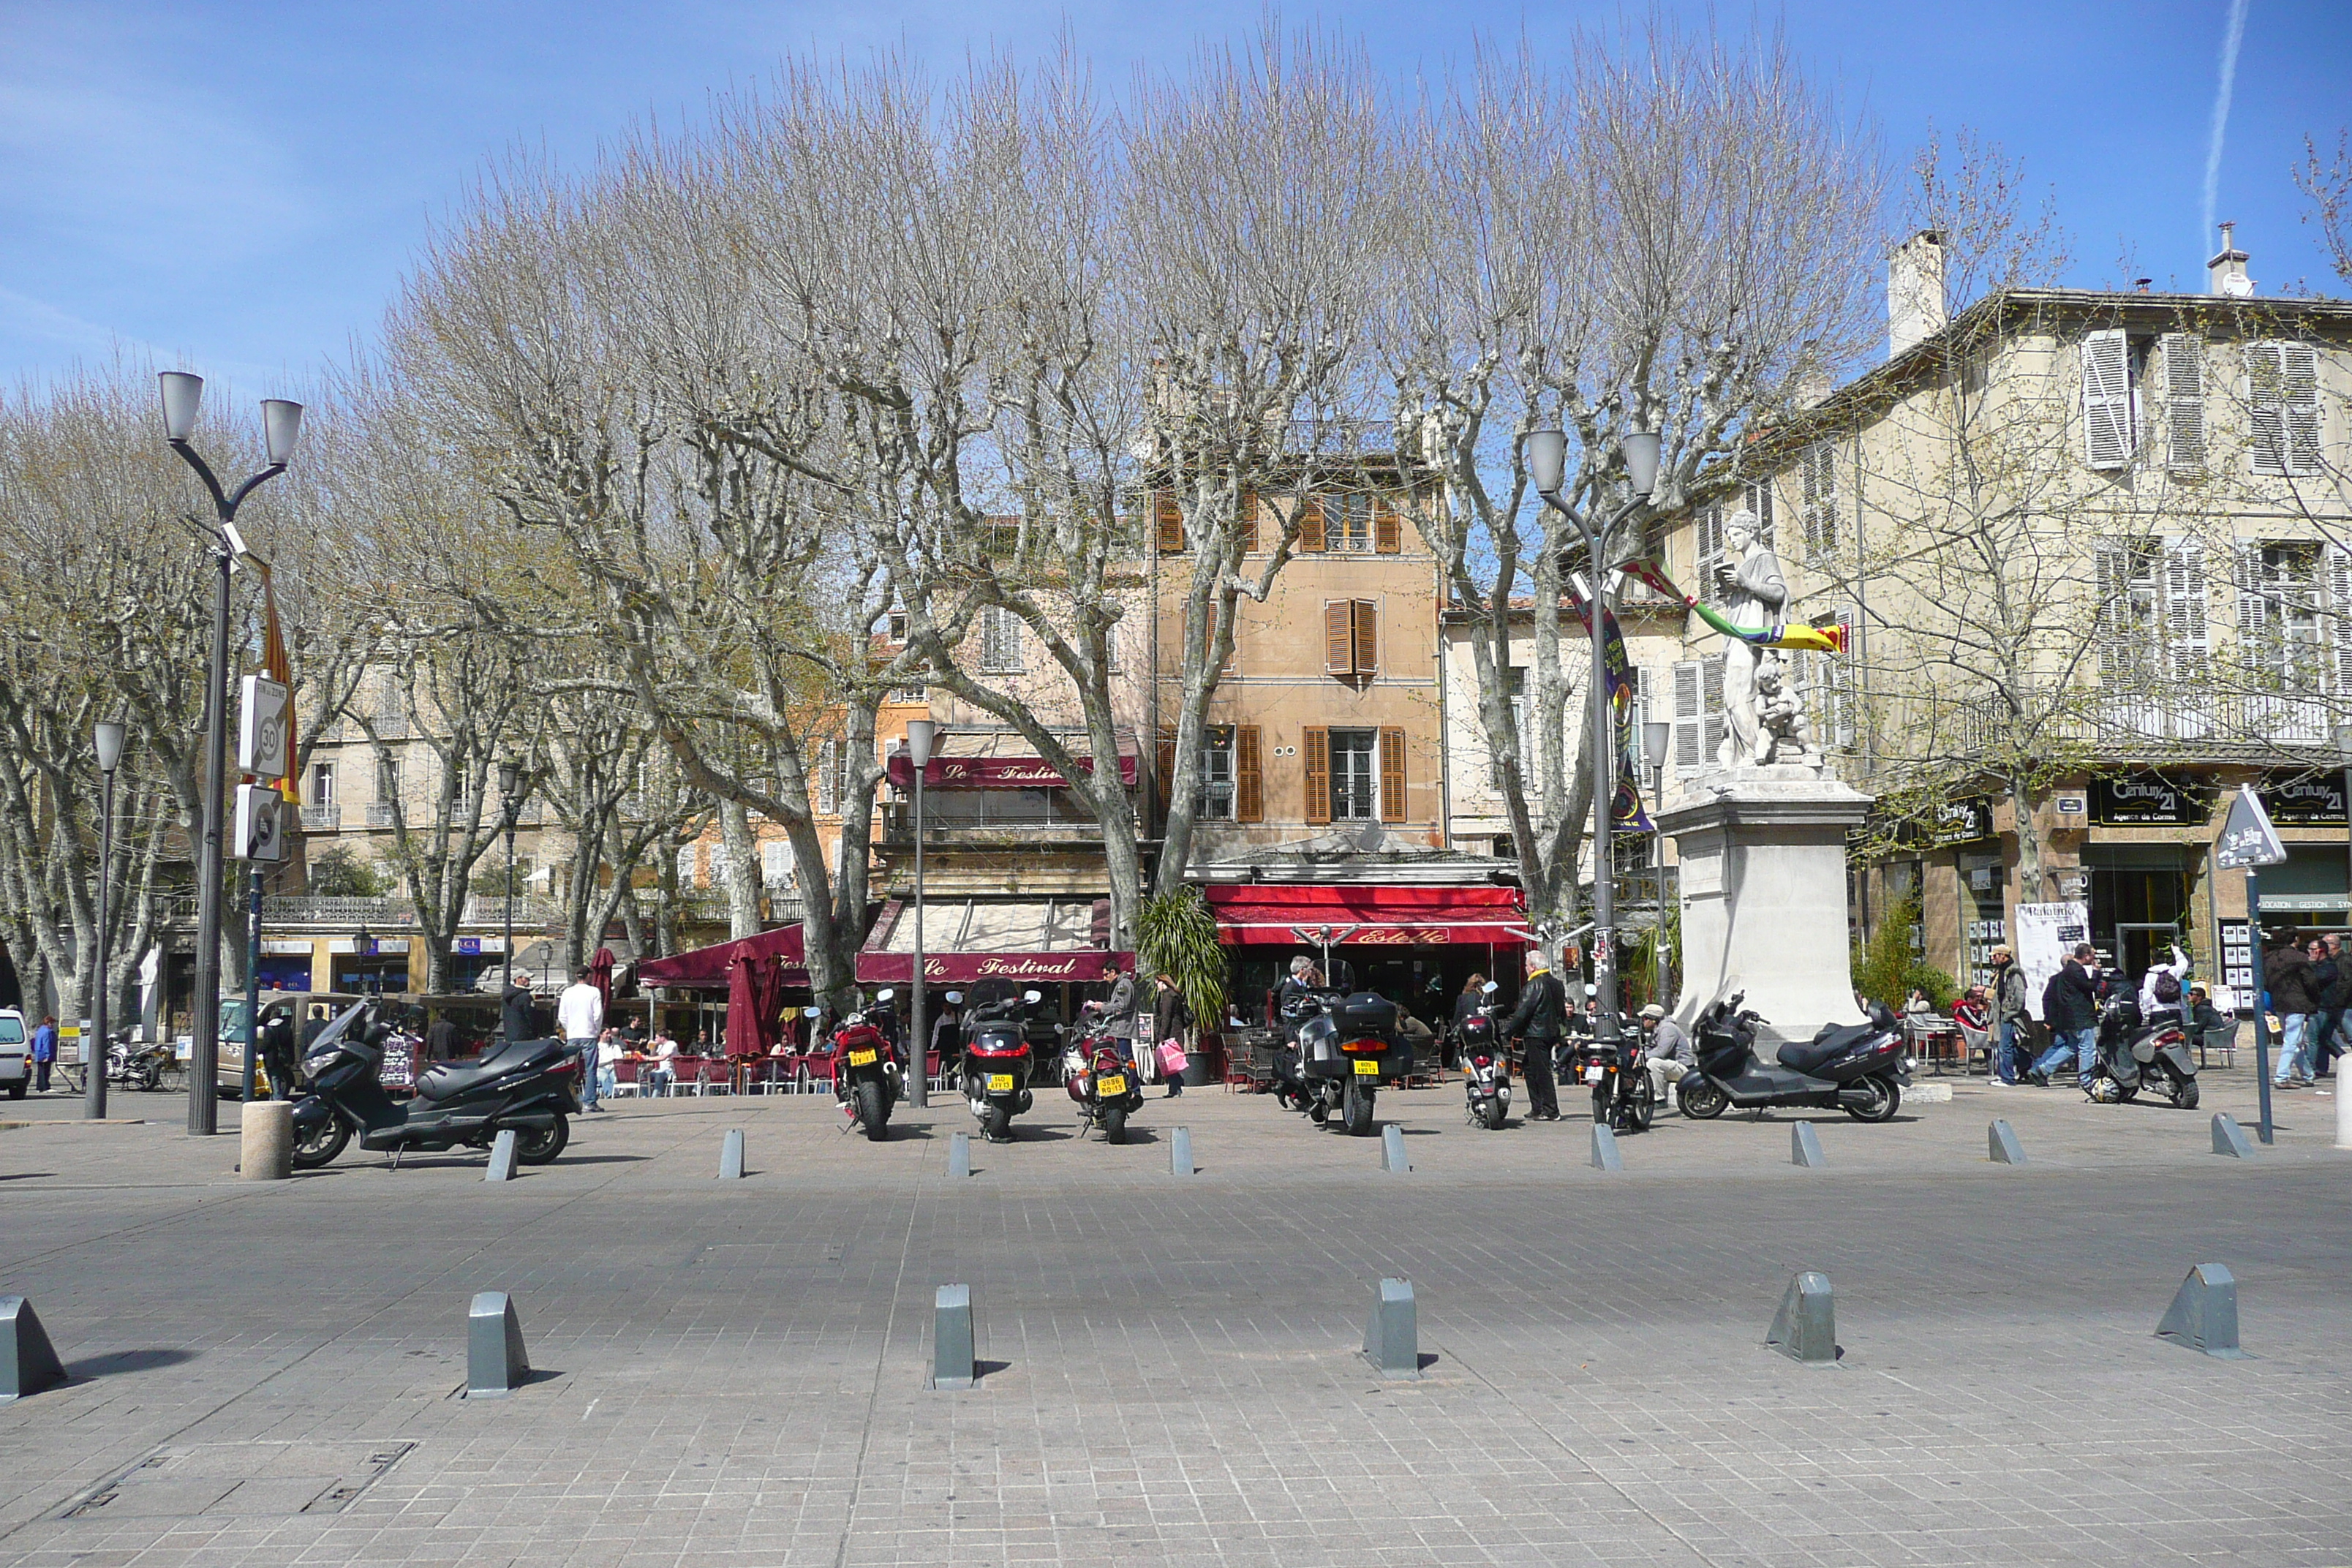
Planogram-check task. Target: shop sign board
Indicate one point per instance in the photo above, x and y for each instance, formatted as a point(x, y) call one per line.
point(2317, 801)
point(2046, 937)
point(1965, 821)
point(2148, 800)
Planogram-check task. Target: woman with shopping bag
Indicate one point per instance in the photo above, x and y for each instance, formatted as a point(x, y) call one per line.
point(1171, 1018)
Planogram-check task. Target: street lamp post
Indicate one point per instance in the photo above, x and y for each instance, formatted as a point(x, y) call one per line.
point(281, 425)
point(510, 807)
point(920, 735)
point(1547, 456)
point(109, 744)
point(2343, 753)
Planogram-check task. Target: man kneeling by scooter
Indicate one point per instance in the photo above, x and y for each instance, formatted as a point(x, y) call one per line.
point(1668, 1050)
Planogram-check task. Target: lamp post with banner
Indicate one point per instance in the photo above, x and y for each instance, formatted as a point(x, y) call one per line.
point(921, 735)
point(2249, 840)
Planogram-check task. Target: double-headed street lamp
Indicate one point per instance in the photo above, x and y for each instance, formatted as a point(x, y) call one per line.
point(1547, 456)
point(921, 734)
point(281, 429)
point(107, 742)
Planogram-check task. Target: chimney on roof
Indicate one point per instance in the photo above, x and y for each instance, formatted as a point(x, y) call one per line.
point(1915, 292)
point(2226, 273)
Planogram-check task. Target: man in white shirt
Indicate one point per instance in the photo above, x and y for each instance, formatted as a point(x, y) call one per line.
point(580, 1014)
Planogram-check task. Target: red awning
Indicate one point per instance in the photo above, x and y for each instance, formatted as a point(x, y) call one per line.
point(993, 772)
point(1032, 941)
point(705, 968)
point(1257, 914)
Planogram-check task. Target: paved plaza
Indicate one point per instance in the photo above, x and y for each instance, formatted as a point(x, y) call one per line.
point(732, 1374)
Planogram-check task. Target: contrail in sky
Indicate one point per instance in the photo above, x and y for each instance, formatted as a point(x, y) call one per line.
point(2230, 40)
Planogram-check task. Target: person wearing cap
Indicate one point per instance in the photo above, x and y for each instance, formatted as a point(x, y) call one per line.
point(1668, 1055)
point(2008, 1016)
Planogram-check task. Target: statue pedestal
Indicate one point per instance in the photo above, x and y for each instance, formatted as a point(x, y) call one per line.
point(1762, 854)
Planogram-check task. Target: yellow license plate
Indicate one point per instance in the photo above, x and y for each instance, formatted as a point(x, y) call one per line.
point(1000, 1083)
point(1114, 1084)
point(1368, 1069)
point(861, 1059)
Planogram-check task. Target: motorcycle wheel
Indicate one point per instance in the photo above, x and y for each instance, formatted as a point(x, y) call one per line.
point(1600, 1107)
point(1359, 1109)
point(2125, 1096)
point(2184, 1094)
point(319, 1146)
point(1885, 1097)
point(1641, 1105)
point(873, 1114)
point(996, 1124)
point(1699, 1097)
point(1114, 1123)
point(150, 1081)
point(1491, 1114)
point(540, 1145)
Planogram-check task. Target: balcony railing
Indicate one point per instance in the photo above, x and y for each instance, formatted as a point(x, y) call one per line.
point(324, 819)
point(379, 814)
point(2168, 724)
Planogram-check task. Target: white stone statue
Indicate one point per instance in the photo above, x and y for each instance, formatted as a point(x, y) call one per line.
point(1785, 734)
point(1754, 594)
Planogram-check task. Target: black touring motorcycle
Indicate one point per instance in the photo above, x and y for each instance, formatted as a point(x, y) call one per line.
point(529, 1085)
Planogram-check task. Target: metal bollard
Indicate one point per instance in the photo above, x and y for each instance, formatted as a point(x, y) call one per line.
point(1605, 1156)
point(1805, 1327)
point(502, 1157)
point(495, 1362)
point(265, 1141)
point(2204, 1314)
point(1392, 1339)
point(2343, 1112)
point(730, 1156)
point(1805, 1146)
point(2229, 1139)
point(1180, 1152)
point(1392, 1158)
point(2000, 1139)
point(952, 1365)
point(28, 1363)
point(959, 1154)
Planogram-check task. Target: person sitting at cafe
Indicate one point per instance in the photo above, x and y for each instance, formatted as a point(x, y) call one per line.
point(1971, 1011)
point(664, 1072)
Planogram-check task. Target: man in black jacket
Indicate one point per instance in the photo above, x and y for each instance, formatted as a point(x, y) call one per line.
point(2070, 1006)
point(1540, 1020)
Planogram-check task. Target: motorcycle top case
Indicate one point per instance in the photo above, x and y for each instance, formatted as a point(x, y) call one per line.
point(1363, 1014)
point(1000, 1040)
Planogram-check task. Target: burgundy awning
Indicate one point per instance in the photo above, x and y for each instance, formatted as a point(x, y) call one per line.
point(993, 772)
point(1034, 941)
point(1261, 914)
point(705, 968)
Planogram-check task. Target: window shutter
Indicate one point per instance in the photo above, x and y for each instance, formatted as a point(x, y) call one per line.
point(827, 802)
point(2339, 599)
point(1171, 517)
point(2114, 583)
point(1757, 498)
point(773, 866)
point(2106, 399)
point(2283, 402)
point(2254, 621)
point(1338, 638)
point(2184, 403)
point(1310, 523)
point(1387, 535)
point(1249, 775)
point(1367, 618)
point(2184, 607)
point(2300, 383)
point(1687, 716)
point(1247, 523)
point(1165, 762)
point(1708, 539)
point(1000, 639)
point(1392, 775)
point(1817, 473)
point(1710, 696)
point(1314, 757)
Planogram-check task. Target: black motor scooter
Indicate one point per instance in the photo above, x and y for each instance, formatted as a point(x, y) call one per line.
point(1855, 1068)
point(1485, 1066)
point(529, 1086)
point(2133, 1056)
point(996, 1058)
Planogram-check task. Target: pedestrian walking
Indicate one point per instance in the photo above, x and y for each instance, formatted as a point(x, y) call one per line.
point(2334, 1006)
point(45, 1053)
point(516, 1020)
point(1540, 1020)
point(1669, 1055)
point(2287, 972)
point(580, 1018)
point(1171, 1020)
point(2008, 1014)
point(2070, 1005)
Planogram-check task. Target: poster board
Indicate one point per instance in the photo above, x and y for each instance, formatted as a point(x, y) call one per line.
point(2046, 936)
point(2237, 955)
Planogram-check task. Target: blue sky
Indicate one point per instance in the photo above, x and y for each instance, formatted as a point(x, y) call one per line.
point(240, 187)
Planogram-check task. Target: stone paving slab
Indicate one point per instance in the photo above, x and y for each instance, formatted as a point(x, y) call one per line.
point(732, 1371)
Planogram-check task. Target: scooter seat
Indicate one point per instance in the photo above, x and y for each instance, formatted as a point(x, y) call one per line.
point(446, 1081)
point(1833, 1041)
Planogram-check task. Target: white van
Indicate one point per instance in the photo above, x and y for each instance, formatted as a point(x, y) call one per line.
point(15, 1053)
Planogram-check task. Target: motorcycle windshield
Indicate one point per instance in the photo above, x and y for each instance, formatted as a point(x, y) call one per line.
point(330, 1039)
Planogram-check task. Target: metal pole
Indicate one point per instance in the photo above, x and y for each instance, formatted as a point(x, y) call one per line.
point(253, 985)
point(1604, 803)
point(918, 1088)
point(203, 1052)
point(2262, 1028)
point(507, 960)
point(93, 1092)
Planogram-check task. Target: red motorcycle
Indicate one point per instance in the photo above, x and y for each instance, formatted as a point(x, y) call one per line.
point(867, 1077)
point(1101, 1080)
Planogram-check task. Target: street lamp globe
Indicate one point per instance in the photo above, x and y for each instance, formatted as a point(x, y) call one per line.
point(509, 776)
point(1640, 450)
point(1655, 734)
point(2344, 741)
point(1547, 452)
point(281, 429)
point(184, 394)
point(921, 733)
point(109, 742)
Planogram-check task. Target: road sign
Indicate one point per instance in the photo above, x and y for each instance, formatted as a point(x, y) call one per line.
point(2248, 839)
point(261, 729)
point(259, 829)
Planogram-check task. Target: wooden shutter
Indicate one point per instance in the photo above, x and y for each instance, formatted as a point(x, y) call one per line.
point(2253, 611)
point(1710, 697)
point(2184, 608)
point(1392, 775)
point(2265, 407)
point(2299, 364)
point(1366, 616)
point(2339, 632)
point(1171, 517)
point(2113, 561)
point(1687, 718)
point(2184, 402)
point(1315, 758)
point(1166, 763)
point(1247, 523)
point(2106, 399)
point(1249, 775)
point(1310, 523)
point(1388, 537)
point(1338, 638)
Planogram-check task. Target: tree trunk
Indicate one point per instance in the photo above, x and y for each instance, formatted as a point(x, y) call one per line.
point(743, 864)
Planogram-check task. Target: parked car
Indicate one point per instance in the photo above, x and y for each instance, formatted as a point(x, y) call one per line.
point(228, 1066)
point(15, 1053)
